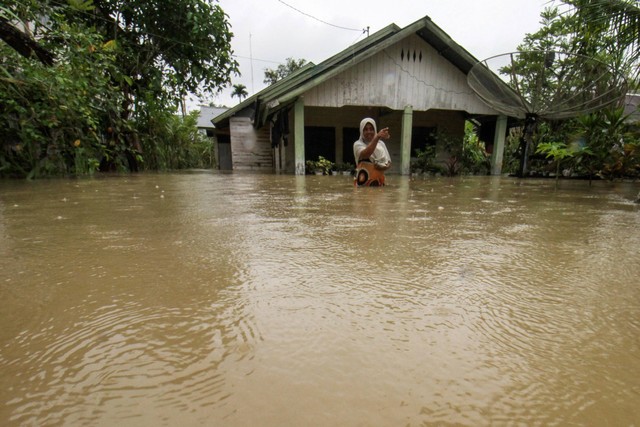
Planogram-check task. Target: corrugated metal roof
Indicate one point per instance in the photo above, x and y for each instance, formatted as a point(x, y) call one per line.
point(207, 114)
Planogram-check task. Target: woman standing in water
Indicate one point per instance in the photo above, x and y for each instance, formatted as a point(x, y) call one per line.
point(371, 154)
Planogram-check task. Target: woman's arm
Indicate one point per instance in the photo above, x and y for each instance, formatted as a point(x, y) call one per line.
point(371, 147)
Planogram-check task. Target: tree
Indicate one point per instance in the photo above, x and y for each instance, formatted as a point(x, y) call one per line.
point(23, 43)
point(240, 91)
point(608, 30)
point(120, 70)
point(162, 56)
point(594, 71)
point(271, 76)
point(60, 119)
point(185, 51)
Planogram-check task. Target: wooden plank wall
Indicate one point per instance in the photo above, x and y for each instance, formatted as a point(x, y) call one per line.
point(251, 149)
point(410, 72)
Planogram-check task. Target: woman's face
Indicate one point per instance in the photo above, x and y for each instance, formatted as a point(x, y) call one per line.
point(368, 133)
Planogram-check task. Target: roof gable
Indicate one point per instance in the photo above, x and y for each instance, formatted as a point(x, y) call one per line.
point(286, 91)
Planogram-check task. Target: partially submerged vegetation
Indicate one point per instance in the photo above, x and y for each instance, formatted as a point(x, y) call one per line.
point(108, 98)
point(604, 143)
point(97, 85)
point(600, 144)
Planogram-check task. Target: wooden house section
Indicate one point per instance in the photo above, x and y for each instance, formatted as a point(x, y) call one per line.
point(412, 80)
point(250, 148)
point(410, 72)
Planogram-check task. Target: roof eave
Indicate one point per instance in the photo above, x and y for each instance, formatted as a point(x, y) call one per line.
point(290, 88)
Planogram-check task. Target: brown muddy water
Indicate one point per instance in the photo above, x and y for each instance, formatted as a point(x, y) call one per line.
point(205, 299)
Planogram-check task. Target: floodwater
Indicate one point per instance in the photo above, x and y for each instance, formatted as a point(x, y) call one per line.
point(206, 299)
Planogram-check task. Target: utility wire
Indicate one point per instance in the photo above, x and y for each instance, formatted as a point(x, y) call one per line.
point(419, 80)
point(148, 33)
point(320, 20)
point(178, 42)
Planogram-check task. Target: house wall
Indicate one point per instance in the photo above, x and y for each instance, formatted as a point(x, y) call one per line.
point(410, 72)
point(251, 148)
point(450, 122)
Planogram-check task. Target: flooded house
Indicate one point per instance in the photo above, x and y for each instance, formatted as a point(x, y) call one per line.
point(412, 80)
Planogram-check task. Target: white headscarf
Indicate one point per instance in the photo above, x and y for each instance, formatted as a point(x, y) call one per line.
point(381, 154)
point(363, 123)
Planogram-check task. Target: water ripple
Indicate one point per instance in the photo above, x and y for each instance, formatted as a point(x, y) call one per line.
point(119, 352)
point(274, 300)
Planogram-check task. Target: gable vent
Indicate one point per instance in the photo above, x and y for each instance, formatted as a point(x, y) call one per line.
point(415, 55)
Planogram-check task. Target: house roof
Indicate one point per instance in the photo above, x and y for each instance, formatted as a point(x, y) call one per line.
point(207, 114)
point(283, 93)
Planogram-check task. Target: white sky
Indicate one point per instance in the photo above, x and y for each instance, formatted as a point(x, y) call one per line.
point(266, 32)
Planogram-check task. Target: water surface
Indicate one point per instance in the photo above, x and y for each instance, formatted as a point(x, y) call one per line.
point(203, 299)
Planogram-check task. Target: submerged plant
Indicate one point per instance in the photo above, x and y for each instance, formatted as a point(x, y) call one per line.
point(325, 165)
point(556, 150)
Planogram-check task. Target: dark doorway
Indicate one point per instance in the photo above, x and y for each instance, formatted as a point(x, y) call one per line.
point(349, 136)
point(486, 134)
point(320, 141)
point(421, 138)
point(224, 153)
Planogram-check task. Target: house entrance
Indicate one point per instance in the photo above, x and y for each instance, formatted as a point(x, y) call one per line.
point(224, 153)
point(320, 141)
point(349, 136)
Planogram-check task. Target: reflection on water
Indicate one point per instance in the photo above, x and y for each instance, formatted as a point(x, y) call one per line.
point(231, 299)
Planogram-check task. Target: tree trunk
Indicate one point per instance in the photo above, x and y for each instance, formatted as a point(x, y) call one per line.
point(23, 43)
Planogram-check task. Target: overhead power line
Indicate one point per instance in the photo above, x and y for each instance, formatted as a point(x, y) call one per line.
point(324, 22)
point(149, 33)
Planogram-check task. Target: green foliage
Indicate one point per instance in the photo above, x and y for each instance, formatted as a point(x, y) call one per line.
point(344, 167)
point(607, 29)
point(604, 30)
point(462, 155)
point(109, 100)
point(425, 161)
point(240, 91)
point(81, 5)
point(612, 143)
point(603, 144)
point(467, 155)
point(53, 118)
point(600, 144)
point(186, 50)
point(322, 164)
point(625, 162)
point(556, 150)
point(475, 159)
point(452, 146)
point(272, 76)
point(596, 143)
point(172, 142)
point(511, 160)
point(325, 165)
point(310, 166)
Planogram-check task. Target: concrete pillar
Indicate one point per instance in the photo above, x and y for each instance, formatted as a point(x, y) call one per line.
point(298, 132)
point(405, 140)
point(499, 137)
